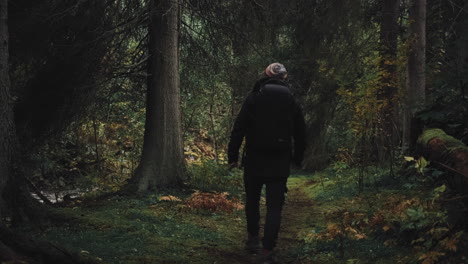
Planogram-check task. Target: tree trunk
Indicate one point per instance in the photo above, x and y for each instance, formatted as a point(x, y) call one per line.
point(462, 56)
point(389, 36)
point(241, 79)
point(449, 154)
point(16, 202)
point(316, 155)
point(162, 163)
point(388, 50)
point(416, 78)
point(8, 141)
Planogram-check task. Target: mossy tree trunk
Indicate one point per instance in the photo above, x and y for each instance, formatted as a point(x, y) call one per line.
point(162, 163)
point(449, 153)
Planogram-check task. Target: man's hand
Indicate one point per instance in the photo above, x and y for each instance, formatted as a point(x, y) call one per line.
point(233, 165)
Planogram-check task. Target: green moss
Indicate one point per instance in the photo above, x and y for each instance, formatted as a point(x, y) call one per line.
point(450, 142)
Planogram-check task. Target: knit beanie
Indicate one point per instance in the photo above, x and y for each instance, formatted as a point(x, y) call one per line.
point(276, 69)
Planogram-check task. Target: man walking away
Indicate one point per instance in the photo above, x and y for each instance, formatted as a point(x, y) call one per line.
point(273, 124)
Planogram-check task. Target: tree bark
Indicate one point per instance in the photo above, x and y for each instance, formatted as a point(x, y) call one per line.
point(162, 163)
point(388, 51)
point(416, 78)
point(8, 141)
point(16, 202)
point(241, 79)
point(316, 155)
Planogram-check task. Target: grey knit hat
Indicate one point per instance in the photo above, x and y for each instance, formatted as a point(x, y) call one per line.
point(276, 69)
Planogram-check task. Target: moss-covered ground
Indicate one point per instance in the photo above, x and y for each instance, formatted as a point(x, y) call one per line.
point(147, 229)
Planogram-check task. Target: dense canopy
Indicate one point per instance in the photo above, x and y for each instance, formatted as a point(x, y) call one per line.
point(116, 116)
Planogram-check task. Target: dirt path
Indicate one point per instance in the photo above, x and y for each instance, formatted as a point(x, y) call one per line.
point(297, 218)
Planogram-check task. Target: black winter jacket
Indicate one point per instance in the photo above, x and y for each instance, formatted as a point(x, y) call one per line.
point(266, 163)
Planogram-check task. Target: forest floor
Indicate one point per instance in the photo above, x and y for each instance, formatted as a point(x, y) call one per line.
point(159, 228)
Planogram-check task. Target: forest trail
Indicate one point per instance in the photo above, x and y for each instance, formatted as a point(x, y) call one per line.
point(297, 218)
point(148, 229)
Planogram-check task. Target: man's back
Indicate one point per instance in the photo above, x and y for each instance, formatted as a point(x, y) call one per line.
point(272, 113)
point(269, 119)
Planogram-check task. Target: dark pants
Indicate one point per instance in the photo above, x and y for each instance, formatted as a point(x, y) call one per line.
point(275, 192)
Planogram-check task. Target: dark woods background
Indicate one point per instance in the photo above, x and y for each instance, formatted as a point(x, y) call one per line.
point(78, 78)
point(78, 74)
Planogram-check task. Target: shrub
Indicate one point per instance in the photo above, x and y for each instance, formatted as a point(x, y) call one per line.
point(208, 175)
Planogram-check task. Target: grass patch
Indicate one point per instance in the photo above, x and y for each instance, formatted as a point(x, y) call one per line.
point(140, 230)
point(386, 224)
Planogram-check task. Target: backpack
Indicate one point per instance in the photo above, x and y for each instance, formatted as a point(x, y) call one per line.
point(272, 117)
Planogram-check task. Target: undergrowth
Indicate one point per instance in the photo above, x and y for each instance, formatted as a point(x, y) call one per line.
point(409, 220)
point(208, 175)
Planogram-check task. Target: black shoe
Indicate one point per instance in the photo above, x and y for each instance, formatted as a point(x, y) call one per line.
point(253, 244)
point(269, 257)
